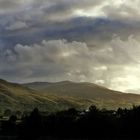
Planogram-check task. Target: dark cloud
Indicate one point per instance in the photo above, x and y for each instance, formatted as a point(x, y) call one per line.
point(87, 40)
point(57, 60)
point(94, 32)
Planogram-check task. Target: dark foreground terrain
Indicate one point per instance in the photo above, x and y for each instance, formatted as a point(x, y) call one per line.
point(73, 125)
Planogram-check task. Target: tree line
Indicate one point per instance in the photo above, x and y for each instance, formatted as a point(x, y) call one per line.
point(73, 124)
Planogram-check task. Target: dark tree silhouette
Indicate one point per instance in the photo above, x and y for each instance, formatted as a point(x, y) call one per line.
point(72, 124)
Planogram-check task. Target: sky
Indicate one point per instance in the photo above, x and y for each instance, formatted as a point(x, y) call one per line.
point(78, 40)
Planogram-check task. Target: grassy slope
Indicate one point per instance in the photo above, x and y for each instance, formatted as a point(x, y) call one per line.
point(86, 94)
point(61, 95)
point(17, 97)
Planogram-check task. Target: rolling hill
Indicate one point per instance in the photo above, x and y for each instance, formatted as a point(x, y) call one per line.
point(61, 95)
point(100, 96)
point(18, 97)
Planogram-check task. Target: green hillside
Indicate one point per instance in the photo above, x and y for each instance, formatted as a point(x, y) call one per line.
point(17, 97)
point(89, 92)
point(61, 95)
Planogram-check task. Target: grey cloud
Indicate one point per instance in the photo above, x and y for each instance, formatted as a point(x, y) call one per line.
point(95, 32)
point(55, 9)
point(60, 22)
point(57, 60)
point(97, 48)
point(66, 8)
point(17, 25)
point(5, 4)
point(109, 8)
point(8, 6)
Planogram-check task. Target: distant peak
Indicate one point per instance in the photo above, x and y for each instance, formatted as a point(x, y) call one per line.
point(66, 82)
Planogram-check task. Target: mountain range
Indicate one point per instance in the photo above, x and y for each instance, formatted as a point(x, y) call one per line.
point(57, 96)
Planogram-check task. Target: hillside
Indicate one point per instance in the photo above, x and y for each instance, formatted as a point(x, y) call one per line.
point(17, 97)
point(37, 85)
point(100, 96)
point(14, 96)
point(61, 95)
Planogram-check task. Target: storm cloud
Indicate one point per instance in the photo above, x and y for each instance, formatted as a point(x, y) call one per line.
point(88, 40)
point(57, 60)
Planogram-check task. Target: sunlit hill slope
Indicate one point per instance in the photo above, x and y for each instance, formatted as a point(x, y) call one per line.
point(61, 95)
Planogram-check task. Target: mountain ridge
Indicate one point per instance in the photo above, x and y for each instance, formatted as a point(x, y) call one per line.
point(90, 91)
point(61, 95)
